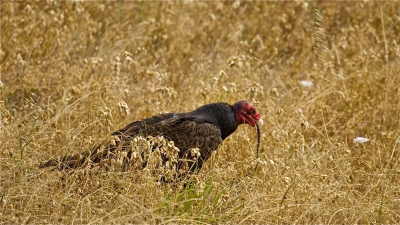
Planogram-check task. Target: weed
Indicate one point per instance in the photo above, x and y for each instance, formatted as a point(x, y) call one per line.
point(321, 74)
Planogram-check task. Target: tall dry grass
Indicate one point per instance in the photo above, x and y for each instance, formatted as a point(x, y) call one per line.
point(72, 72)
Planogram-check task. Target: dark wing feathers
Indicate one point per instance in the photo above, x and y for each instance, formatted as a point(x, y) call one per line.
point(136, 127)
point(96, 154)
point(186, 132)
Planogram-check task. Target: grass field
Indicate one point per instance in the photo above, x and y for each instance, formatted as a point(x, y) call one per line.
point(319, 73)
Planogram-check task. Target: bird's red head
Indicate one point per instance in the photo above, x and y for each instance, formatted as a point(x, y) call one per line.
point(246, 113)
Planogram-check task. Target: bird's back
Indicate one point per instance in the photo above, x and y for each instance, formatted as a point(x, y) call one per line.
point(137, 127)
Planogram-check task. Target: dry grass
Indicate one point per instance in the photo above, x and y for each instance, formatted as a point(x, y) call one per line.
point(72, 72)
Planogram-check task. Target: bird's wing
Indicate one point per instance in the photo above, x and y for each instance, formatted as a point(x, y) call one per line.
point(135, 128)
point(188, 134)
point(124, 136)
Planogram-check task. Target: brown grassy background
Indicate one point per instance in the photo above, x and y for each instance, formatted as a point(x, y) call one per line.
point(72, 72)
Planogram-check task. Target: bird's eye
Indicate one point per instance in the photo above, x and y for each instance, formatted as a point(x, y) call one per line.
point(252, 111)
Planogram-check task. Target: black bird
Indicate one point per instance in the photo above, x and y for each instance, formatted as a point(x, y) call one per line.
point(204, 128)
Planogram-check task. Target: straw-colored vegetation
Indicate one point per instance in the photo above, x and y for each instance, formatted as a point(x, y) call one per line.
point(320, 74)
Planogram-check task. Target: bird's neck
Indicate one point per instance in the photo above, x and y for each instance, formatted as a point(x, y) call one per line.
point(221, 115)
point(227, 123)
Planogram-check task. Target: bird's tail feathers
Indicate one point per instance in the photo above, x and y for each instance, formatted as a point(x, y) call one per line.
point(79, 160)
point(66, 162)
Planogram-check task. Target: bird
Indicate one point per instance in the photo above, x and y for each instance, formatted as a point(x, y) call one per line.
point(203, 129)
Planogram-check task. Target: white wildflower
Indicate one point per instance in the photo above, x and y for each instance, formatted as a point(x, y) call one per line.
point(306, 83)
point(360, 140)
